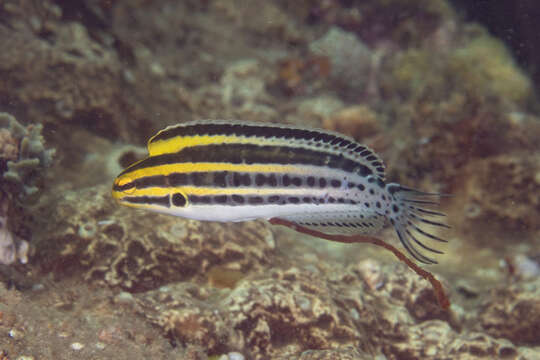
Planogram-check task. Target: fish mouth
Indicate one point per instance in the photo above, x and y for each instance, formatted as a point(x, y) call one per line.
point(117, 196)
point(123, 185)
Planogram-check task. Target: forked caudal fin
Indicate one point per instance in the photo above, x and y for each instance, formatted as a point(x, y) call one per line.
point(408, 212)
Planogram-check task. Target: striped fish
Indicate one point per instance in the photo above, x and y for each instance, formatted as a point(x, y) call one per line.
point(230, 171)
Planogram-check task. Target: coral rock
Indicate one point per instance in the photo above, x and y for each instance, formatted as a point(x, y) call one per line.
point(124, 248)
point(25, 155)
point(514, 314)
point(349, 59)
point(357, 121)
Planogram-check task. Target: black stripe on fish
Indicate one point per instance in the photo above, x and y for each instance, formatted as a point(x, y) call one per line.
point(253, 154)
point(264, 134)
point(149, 200)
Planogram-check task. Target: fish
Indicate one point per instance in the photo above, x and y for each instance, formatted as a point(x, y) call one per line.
point(229, 171)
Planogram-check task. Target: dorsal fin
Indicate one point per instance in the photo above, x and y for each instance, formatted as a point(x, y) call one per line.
point(177, 137)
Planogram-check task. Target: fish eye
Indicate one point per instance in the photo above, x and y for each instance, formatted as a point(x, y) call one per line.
point(178, 200)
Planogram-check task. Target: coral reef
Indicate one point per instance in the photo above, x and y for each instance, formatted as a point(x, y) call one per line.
point(345, 353)
point(285, 311)
point(144, 253)
point(23, 157)
point(23, 160)
point(440, 99)
point(514, 313)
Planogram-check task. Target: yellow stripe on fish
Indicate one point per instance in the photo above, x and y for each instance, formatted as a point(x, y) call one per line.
point(235, 171)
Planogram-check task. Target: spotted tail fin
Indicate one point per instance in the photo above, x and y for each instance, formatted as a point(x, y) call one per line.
point(409, 214)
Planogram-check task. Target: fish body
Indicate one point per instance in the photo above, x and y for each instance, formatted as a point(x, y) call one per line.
point(236, 171)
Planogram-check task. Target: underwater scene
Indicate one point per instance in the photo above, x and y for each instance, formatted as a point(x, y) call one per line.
point(235, 180)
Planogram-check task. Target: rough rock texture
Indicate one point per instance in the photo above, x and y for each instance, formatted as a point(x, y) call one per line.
point(345, 353)
point(285, 311)
point(342, 48)
point(71, 77)
point(518, 206)
point(440, 100)
point(514, 313)
point(121, 248)
point(357, 121)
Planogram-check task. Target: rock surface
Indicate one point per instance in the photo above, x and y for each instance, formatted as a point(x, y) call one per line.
point(440, 100)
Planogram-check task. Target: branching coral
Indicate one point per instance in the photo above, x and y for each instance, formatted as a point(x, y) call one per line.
point(22, 157)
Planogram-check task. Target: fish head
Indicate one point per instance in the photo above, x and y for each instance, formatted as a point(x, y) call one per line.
point(143, 190)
